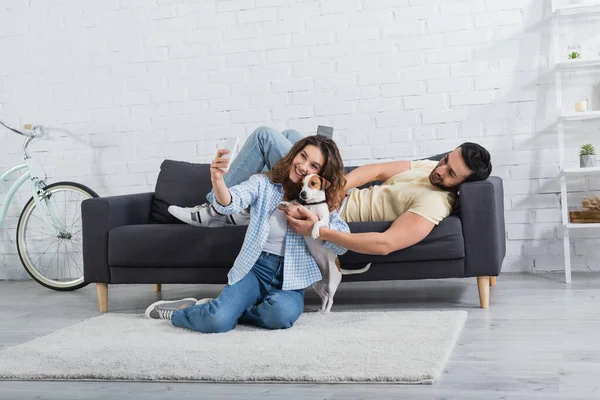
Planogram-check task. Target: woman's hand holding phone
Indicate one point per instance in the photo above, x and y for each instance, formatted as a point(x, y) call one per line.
point(219, 165)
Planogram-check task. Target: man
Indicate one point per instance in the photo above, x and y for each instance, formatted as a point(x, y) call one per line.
point(416, 195)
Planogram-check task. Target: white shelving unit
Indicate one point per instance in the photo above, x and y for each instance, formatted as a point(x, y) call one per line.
point(580, 9)
point(583, 9)
point(580, 116)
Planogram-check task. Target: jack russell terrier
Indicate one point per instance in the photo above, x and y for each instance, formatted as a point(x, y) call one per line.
point(313, 198)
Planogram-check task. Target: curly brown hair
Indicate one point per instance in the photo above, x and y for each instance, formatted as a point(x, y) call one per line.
point(332, 170)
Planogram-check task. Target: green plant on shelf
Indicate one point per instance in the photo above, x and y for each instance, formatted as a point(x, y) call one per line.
point(587, 150)
point(574, 54)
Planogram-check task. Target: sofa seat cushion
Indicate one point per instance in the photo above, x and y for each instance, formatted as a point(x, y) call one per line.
point(445, 242)
point(184, 246)
point(174, 246)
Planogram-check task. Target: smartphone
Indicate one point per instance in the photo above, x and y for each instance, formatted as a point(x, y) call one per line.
point(326, 131)
point(231, 146)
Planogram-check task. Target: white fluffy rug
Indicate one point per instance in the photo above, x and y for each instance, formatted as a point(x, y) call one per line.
point(394, 347)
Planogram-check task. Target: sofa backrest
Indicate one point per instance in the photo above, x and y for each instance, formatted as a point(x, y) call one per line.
point(186, 185)
point(179, 183)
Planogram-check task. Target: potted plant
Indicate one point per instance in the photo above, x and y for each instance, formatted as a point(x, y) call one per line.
point(573, 52)
point(587, 156)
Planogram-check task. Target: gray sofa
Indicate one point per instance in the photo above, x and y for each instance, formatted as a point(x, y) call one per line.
point(133, 239)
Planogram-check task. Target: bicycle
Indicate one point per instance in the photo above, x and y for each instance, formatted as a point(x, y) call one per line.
point(49, 230)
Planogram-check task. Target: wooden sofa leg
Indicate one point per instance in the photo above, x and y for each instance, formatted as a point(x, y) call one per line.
point(102, 289)
point(483, 284)
point(157, 287)
point(492, 281)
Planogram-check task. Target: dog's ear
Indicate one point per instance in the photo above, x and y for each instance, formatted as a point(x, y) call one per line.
point(324, 183)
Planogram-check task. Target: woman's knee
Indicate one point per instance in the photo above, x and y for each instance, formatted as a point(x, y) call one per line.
point(203, 319)
point(282, 312)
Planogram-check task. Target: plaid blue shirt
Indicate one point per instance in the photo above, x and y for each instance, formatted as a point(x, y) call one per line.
point(300, 269)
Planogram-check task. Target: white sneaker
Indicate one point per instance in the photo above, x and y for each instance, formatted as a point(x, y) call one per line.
point(164, 309)
point(204, 301)
point(205, 215)
point(241, 218)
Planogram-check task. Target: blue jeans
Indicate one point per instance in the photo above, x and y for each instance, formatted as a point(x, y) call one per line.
point(263, 148)
point(257, 299)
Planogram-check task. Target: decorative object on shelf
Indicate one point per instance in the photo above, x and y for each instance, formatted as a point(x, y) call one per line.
point(573, 51)
point(581, 105)
point(590, 203)
point(590, 211)
point(587, 156)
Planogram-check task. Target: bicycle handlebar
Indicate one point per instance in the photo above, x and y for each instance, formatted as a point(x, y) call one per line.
point(37, 131)
point(7, 126)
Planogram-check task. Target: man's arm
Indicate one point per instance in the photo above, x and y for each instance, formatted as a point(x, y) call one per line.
point(407, 230)
point(375, 172)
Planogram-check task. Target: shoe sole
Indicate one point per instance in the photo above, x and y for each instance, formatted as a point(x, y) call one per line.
point(151, 306)
point(187, 220)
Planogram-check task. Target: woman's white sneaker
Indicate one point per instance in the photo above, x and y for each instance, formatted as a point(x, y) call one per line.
point(164, 309)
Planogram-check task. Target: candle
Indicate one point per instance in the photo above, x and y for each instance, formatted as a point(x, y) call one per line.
point(581, 105)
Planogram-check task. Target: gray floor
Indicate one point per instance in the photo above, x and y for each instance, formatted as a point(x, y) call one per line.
point(540, 339)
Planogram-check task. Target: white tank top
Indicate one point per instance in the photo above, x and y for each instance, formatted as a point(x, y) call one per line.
point(277, 228)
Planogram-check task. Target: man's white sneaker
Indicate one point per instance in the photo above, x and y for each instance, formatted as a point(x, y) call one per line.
point(205, 215)
point(241, 218)
point(202, 215)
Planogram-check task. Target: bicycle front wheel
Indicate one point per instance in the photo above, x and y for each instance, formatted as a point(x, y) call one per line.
point(50, 237)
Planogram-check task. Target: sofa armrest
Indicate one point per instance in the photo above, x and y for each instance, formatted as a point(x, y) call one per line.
point(99, 216)
point(482, 216)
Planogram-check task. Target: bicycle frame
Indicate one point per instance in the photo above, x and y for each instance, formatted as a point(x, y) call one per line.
point(37, 187)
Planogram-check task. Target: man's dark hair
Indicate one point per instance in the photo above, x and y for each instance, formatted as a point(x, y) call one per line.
point(477, 160)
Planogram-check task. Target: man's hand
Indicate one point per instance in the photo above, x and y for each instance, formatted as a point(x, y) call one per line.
point(301, 221)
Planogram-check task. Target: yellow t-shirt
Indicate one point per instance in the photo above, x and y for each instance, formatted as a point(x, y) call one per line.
point(407, 191)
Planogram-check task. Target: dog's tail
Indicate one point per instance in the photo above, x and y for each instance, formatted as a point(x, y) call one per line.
point(354, 271)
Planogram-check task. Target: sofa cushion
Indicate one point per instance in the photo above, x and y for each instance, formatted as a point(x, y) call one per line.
point(184, 246)
point(445, 242)
point(179, 183)
point(174, 246)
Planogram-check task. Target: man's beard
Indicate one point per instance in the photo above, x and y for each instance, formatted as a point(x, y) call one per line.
point(441, 184)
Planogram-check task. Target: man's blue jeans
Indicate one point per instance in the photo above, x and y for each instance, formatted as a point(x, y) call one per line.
point(261, 150)
point(257, 299)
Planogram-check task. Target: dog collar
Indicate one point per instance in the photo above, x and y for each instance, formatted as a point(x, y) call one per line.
point(304, 203)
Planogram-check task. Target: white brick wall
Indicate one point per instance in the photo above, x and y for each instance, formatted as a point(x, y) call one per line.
point(134, 82)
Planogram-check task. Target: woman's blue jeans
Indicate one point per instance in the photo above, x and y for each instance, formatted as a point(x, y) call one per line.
point(257, 299)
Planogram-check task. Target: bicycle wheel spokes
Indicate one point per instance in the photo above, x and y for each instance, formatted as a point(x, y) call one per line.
point(53, 255)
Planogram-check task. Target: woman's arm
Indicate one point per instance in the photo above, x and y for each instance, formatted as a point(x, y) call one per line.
point(222, 195)
point(230, 201)
point(240, 196)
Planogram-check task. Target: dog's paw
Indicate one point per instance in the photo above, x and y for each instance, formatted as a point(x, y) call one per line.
point(284, 205)
point(315, 232)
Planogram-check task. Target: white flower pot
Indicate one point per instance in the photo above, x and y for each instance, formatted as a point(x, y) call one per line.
point(587, 161)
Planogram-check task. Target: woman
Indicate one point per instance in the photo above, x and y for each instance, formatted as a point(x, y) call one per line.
point(267, 282)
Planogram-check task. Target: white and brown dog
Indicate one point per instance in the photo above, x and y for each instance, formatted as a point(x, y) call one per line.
point(313, 198)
